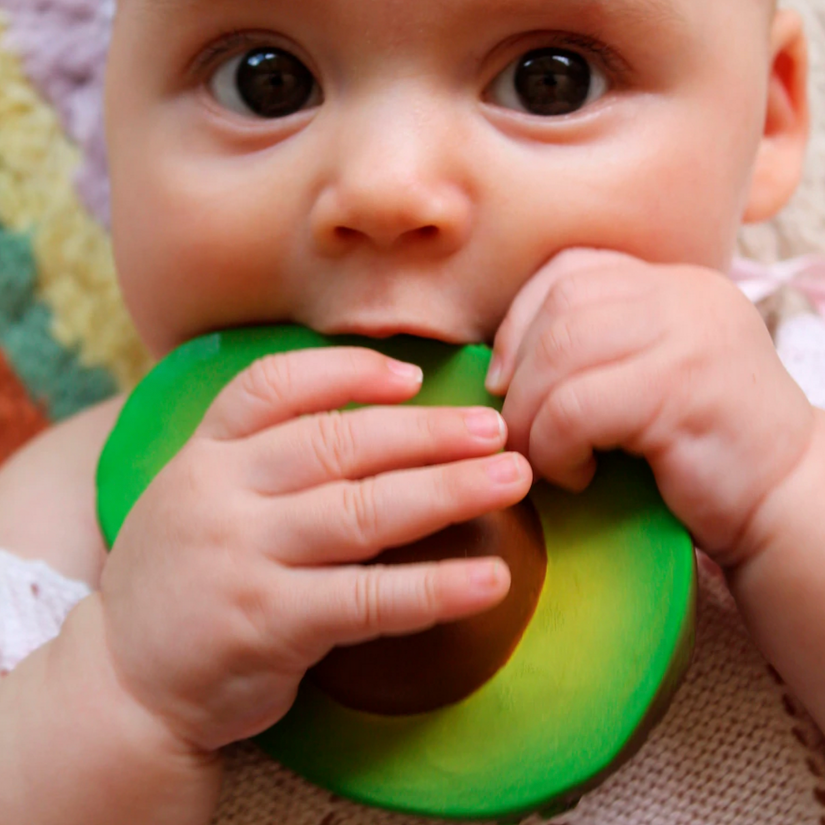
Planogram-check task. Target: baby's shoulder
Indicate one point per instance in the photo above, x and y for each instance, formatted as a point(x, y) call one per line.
point(47, 495)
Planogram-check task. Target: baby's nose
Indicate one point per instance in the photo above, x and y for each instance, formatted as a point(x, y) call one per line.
point(389, 217)
point(393, 188)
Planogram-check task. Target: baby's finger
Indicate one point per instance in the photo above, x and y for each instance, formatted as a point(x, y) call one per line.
point(513, 329)
point(281, 387)
point(355, 520)
point(574, 279)
point(615, 406)
point(581, 340)
point(315, 450)
point(347, 605)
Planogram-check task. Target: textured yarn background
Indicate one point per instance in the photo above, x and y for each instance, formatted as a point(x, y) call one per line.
point(735, 748)
point(65, 338)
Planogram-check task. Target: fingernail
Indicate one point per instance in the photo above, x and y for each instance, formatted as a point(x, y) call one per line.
point(505, 469)
point(484, 423)
point(487, 575)
point(409, 372)
point(494, 375)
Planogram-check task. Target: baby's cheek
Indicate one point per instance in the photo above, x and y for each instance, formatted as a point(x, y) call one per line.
point(642, 204)
point(198, 250)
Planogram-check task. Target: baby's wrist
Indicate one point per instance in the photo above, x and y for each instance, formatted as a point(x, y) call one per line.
point(79, 750)
point(780, 587)
point(789, 516)
point(85, 635)
point(144, 744)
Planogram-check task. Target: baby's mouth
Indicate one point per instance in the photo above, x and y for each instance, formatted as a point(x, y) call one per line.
point(392, 330)
point(371, 328)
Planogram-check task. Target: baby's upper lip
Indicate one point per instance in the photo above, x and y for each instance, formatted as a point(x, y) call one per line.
point(387, 330)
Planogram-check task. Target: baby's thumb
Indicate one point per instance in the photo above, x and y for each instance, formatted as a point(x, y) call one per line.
point(513, 330)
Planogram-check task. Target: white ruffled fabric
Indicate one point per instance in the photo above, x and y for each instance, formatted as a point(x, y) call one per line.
point(34, 603)
point(800, 342)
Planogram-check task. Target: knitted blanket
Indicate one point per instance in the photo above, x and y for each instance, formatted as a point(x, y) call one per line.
point(65, 338)
point(66, 342)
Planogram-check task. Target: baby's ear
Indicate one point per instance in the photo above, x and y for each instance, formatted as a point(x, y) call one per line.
point(781, 154)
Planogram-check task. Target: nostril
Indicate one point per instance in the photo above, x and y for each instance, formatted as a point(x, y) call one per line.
point(427, 232)
point(344, 233)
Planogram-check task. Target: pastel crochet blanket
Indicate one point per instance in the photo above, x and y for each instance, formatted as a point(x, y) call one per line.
point(65, 338)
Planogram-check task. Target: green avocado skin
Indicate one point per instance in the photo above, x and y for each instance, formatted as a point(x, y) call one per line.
point(607, 647)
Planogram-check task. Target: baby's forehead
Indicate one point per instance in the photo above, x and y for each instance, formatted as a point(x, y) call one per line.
point(371, 29)
point(321, 12)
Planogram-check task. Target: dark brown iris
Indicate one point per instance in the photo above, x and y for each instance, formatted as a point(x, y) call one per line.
point(273, 83)
point(552, 81)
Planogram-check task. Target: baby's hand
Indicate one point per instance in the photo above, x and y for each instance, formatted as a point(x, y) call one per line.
point(235, 572)
point(601, 351)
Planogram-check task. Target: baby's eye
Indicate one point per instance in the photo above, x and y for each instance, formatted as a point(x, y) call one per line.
point(547, 82)
point(266, 83)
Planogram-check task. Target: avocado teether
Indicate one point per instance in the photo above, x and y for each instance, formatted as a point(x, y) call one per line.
point(595, 663)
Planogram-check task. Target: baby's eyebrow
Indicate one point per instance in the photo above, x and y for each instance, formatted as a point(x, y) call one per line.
point(639, 11)
point(626, 12)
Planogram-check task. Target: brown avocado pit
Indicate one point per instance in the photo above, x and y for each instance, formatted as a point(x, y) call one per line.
point(425, 671)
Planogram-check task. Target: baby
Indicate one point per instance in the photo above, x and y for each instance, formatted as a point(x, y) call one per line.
point(564, 178)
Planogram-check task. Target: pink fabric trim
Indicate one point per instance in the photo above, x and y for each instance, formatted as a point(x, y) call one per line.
point(805, 274)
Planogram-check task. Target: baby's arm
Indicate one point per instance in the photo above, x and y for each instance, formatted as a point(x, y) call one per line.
point(780, 585)
point(77, 749)
point(602, 351)
point(74, 747)
point(47, 495)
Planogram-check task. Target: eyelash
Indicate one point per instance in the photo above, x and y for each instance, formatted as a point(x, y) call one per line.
point(238, 41)
point(229, 45)
point(609, 59)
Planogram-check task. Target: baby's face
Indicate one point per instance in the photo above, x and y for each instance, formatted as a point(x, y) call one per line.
point(378, 166)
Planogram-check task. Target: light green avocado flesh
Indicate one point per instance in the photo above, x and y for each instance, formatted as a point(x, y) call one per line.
point(605, 650)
